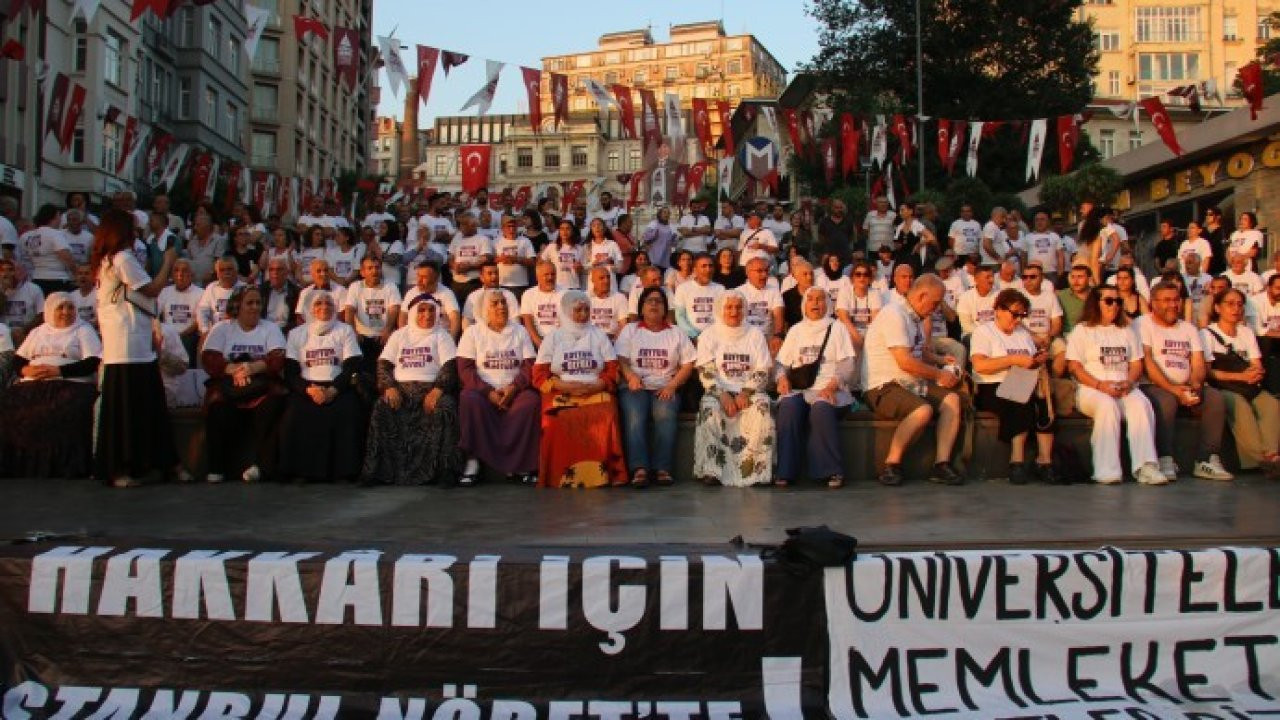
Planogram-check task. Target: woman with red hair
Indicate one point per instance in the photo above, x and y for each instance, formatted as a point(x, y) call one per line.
point(134, 436)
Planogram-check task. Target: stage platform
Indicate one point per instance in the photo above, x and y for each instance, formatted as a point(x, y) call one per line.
point(983, 514)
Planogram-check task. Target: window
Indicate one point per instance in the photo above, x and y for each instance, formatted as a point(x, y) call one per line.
point(672, 72)
point(232, 115)
point(77, 147)
point(612, 58)
point(184, 98)
point(266, 59)
point(263, 148)
point(157, 94)
point(1107, 40)
point(582, 61)
point(1168, 66)
point(81, 58)
point(1113, 83)
point(187, 36)
point(266, 101)
point(734, 91)
point(1168, 24)
point(551, 158)
point(442, 165)
point(1107, 143)
point(578, 156)
point(524, 157)
point(1264, 28)
point(614, 162)
point(110, 147)
point(213, 37)
point(735, 66)
point(210, 108)
point(1230, 28)
point(633, 160)
point(641, 76)
point(1135, 139)
point(233, 54)
point(610, 78)
point(113, 68)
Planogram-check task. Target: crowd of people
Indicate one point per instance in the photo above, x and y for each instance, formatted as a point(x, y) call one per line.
point(420, 344)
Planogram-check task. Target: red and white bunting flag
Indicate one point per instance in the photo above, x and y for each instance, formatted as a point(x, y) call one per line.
point(475, 167)
point(726, 125)
point(346, 55)
point(397, 73)
point(680, 188)
point(1164, 126)
point(303, 25)
point(879, 142)
point(850, 140)
point(233, 184)
point(829, 160)
point(958, 128)
point(12, 50)
point(1035, 146)
point(74, 108)
point(129, 144)
point(159, 7)
point(650, 126)
point(450, 60)
point(702, 126)
point(808, 132)
point(602, 97)
point(560, 97)
point(200, 173)
point(255, 22)
point(483, 98)
point(903, 133)
point(944, 140)
point(1250, 79)
point(57, 105)
point(571, 194)
point(697, 172)
point(261, 190)
point(975, 139)
point(626, 110)
point(427, 58)
point(1068, 135)
point(792, 119)
point(211, 188)
point(521, 198)
point(533, 92)
point(173, 167)
point(633, 191)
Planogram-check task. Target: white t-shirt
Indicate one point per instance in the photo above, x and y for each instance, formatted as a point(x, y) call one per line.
point(469, 250)
point(732, 362)
point(372, 219)
point(965, 236)
point(579, 359)
point(421, 361)
point(515, 274)
point(178, 307)
point(610, 216)
point(1044, 308)
point(761, 236)
point(989, 341)
point(633, 299)
point(305, 256)
point(779, 228)
point(860, 309)
point(234, 342)
point(1244, 343)
point(609, 313)
point(760, 306)
point(1043, 247)
point(699, 302)
point(80, 244)
point(442, 296)
point(392, 273)
point(46, 345)
point(543, 308)
point(344, 263)
point(497, 355)
point(1197, 286)
point(1171, 347)
point(372, 306)
point(563, 257)
point(473, 300)
point(126, 330)
point(834, 288)
point(896, 326)
point(723, 223)
point(308, 294)
point(698, 241)
point(1267, 317)
point(956, 286)
point(213, 305)
point(803, 342)
point(86, 305)
point(1247, 282)
point(1200, 247)
point(41, 247)
point(879, 229)
point(321, 356)
point(1104, 350)
point(655, 356)
point(604, 253)
point(973, 309)
point(1242, 241)
point(999, 241)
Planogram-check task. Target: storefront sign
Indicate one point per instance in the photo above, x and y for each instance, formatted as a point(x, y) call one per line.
point(1235, 166)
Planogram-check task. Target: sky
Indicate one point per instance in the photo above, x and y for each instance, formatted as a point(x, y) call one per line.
point(517, 34)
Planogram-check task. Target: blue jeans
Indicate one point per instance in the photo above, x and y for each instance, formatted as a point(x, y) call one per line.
point(813, 427)
point(638, 408)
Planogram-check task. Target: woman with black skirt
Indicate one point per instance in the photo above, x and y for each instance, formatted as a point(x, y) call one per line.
point(134, 434)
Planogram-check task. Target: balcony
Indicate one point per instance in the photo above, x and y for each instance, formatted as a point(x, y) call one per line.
point(265, 115)
point(266, 66)
point(259, 160)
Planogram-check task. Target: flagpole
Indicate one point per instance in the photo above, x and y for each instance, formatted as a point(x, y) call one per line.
point(919, 98)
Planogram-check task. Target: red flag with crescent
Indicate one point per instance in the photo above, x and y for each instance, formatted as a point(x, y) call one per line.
point(521, 198)
point(626, 110)
point(533, 90)
point(702, 125)
point(1068, 135)
point(571, 194)
point(303, 25)
point(650, 130)
point(57, 106)
point(560, 97)
point(696, 172)
point(159, 7)
point(850, 140)
point(126, 147)
point(726, 126)
point(792, 119)
point(633, 194)
point(1160, 118)
point(1250, 78)
point(75, 106)
point(427, 58)
point(200, 175)
point(958, 131)
point(475, 167)
point(903, 133)
point(944, 140)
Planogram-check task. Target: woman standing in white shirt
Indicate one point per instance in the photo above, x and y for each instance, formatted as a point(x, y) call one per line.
point(48, 253)
point(1247, 239)
point(567, 255)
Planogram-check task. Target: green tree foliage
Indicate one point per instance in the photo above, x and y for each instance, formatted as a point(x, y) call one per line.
point(1094, 182)
point(1266, 52)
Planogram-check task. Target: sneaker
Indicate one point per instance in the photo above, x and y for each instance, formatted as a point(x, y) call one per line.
point(1110, 480)
point(252, 474)
point(1168, 468)
point(891, 476)
point(529, 479)
point(1150, 474)
point(214, 478)
point(124, 481)
point(1018, 474)
point(180, 475)
point(1047, 475)
point(1212, 469)
point(944, 474)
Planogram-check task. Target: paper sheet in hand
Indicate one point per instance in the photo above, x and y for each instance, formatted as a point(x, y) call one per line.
point(1018, 384)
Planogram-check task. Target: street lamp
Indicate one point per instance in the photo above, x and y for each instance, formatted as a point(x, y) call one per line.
point(919, 96)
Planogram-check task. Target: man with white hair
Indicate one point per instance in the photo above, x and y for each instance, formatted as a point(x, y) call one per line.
point(79, 239)
point(213, 302)
point(764, 303)
point(1194, 277)
point(321, 282)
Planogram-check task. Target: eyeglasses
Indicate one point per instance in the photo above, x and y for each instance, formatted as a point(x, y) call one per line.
point(862, 273)
point(1017, 314)
point(1109, 301)
point(1031, 276)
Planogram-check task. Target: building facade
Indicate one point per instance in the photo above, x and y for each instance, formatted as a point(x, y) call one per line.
point(303, 120)
point(698, 61)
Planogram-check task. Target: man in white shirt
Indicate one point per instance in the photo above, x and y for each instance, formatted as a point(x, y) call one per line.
point(777, 222)
point(372, 308)
point(756, 241)
point(213, 301)
point(878, 224)
point(978, 304)
point(489, 280)
point(467, 252)
point(427, 276)
point(728, 227)
point(1044, 246)
point(993, 237)
point(24, 302)
point(377, 215)
point(1240, 276)
point(79, 239)
point(608, 307)
point(1176, 367)
point(540, 304)
point(177, 306)
point(1044, 314)
point(764, 303)
point(905, 383)
point(695, 299)
point(607, 212)
point(695, 228)
point(321, 283)
point(1194, 277)
point(965, 232)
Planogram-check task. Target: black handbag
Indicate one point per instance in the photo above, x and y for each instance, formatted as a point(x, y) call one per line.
point(225, 388)
point(1232, 361)
point(802, 377)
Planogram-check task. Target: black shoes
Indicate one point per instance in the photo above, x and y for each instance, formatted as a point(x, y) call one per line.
point(943, 474)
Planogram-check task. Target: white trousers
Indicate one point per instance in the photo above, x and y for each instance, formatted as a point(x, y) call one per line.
point(1134, 410)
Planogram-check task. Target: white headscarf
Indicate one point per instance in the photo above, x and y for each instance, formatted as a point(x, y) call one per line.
point(822, 322)
point(418, 336)
point(722, 329)
point(51, 304)
point(573, 330)
point(318, 326)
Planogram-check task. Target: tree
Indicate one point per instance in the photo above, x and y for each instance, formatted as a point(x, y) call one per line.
point(1268, 52)
point(1094, 182)
point(1012, 60)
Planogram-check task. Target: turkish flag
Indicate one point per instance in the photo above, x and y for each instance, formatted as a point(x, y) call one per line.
point(157, 152)
point(702, 125)
point(427, 57)
point(533, 90)
point(126, 147)
point(233, 183)
point(726, 125)
point(958, 128)
point(626, 110)
point(200, 175)
point(1068, 135)
point(475, 167)
point(560, 97)
point(57, 104)
point(159, 7)
point(522, 198)
point(453, 60)
point(346, 55)
point(633, 189)
point(1160, 118)
point(850, 140)
point(680, 189)
point(944, 141)
point(696, 172)
point(12, 50)
point(650, 129)
point(261, 184)
point(793, 129)
point(1250, 77)
point(74, 108)
point(829, 160)
point(808, 134)
point(903, 133)
point(301, 26)
point(571, 194)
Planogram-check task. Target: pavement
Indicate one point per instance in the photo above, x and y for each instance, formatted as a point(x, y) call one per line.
point(988, 514)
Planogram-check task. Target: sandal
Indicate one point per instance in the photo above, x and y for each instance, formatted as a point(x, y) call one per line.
point(640, 478)
point(665, 479)
point(835, 481)
point(781, 482)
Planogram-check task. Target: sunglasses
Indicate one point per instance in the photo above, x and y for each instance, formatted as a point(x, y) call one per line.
point(1030, 276)
point(1018, 315)
point(1109, 301)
